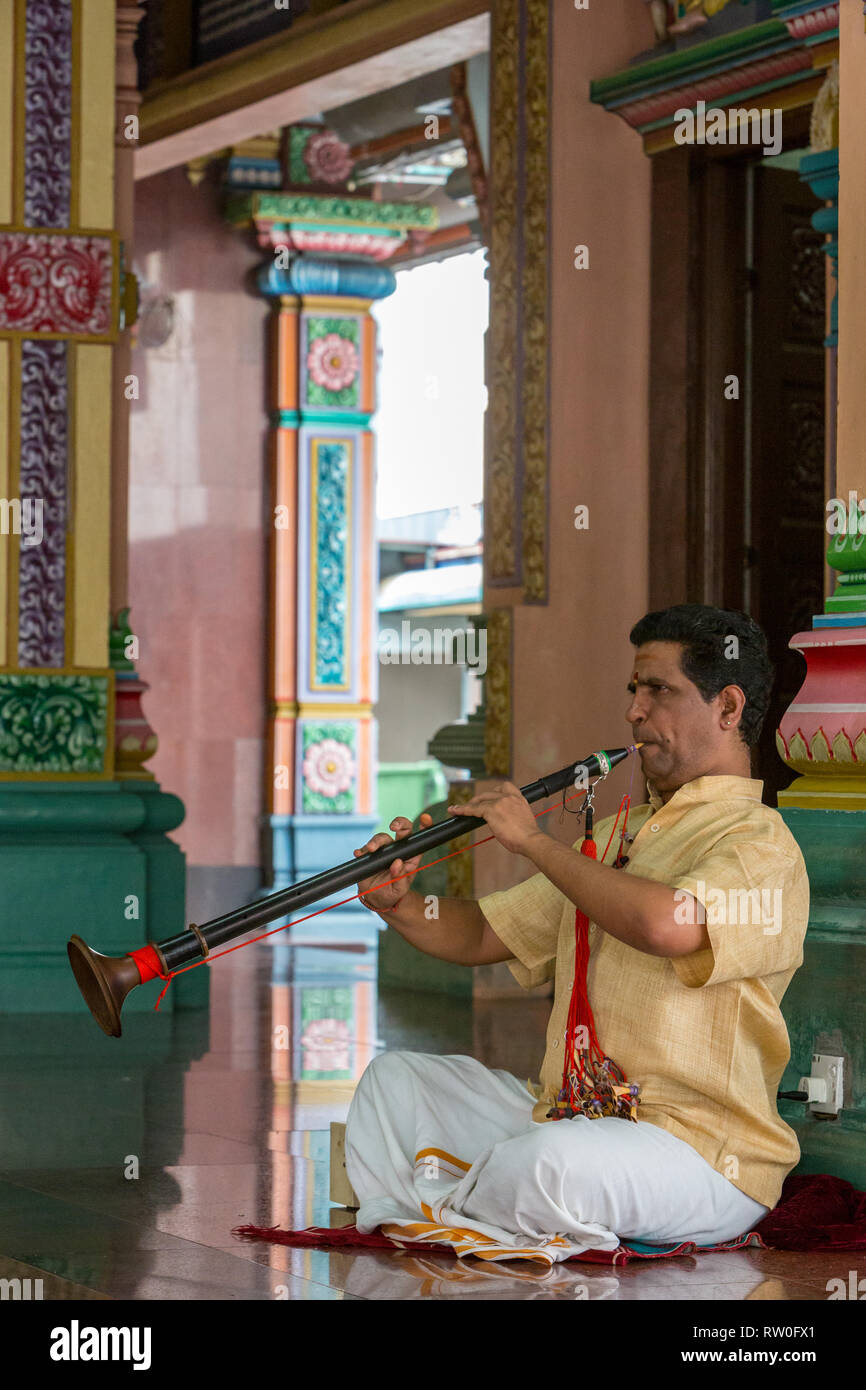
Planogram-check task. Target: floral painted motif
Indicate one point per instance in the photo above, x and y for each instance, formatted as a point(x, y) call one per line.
point(56, 284)
point(376, 246)
point(54, 723)
point(332, 362)
point(328, 158)
point(325, 1043)
point(329, 768)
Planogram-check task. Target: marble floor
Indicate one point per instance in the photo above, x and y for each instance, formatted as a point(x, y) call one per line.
point(124, 1164)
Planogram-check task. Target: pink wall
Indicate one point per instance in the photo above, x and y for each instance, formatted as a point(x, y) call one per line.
point(197, 525)
point(571, 657)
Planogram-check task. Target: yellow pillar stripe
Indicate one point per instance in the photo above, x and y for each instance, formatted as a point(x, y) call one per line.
point(18, 124)
point(5, 454)
point(7, 109)
point(11, 543)
point(93, 131)
point(89, 556)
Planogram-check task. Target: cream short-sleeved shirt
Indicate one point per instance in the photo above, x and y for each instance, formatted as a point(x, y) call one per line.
point(702, 1034)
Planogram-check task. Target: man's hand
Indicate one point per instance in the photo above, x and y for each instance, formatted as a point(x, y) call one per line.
point(507, 812)
point(388, 898)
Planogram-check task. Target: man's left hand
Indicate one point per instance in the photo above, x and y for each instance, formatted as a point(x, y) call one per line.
point(507, 812)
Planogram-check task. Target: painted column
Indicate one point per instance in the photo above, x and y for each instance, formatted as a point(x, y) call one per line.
point(823, 733)
point(323, 673)
point(80, 848)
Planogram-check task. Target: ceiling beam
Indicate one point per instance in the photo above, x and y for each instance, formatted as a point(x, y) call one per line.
point(365, 47)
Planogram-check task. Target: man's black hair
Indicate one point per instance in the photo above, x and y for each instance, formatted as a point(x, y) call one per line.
point(711, 660)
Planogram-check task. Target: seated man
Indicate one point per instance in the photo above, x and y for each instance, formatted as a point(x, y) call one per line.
point(685, 994)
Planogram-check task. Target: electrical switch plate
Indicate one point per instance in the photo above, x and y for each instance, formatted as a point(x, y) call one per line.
point(830, 1070)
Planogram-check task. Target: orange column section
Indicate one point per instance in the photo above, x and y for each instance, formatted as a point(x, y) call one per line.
point(283, 581)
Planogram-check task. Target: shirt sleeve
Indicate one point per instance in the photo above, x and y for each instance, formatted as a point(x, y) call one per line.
point(755, 895)
point(526, 919)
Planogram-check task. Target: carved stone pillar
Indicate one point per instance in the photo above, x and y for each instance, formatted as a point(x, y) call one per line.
point(82, 847)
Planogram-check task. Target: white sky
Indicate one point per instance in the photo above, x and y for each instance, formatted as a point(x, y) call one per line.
point(430, 422)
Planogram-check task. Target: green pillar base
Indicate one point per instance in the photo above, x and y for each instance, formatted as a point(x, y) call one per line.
point(92, 858)
point(824, 1006)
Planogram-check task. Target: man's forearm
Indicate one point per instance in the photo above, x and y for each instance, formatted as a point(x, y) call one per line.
point(453, 930)
point(635, 910)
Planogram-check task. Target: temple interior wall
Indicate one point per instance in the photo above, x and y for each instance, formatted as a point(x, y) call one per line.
point(571, 656)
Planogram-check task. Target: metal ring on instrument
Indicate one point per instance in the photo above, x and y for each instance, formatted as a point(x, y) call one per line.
point(205, 949)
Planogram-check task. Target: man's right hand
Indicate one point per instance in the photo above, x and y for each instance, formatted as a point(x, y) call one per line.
point(387, 898)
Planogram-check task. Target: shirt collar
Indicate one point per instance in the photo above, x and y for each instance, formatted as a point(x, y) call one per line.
point(710, 789)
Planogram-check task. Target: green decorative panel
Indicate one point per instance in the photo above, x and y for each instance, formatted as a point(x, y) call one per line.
point(331, 658)
point(329, 767)
point(296, 139)
point(333, 363)
point(242, 208)
point(55, 724)
point(327, 1033)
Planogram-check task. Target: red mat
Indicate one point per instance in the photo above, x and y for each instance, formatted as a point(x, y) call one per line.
point(815, 1212)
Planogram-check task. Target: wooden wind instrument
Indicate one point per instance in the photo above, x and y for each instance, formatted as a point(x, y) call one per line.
point(105, 981)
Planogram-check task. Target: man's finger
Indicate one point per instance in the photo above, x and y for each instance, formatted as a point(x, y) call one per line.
point(376, 843)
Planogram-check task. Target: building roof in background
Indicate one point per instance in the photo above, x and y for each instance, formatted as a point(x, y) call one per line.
point(446, 526)
point(448, 586)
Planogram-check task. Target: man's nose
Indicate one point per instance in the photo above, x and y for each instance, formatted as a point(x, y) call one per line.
point(635, 712)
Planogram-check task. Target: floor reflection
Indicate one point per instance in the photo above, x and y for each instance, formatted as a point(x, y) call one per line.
point(125, 1164)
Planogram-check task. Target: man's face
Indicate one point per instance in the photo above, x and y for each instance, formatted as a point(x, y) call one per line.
point(680, 731)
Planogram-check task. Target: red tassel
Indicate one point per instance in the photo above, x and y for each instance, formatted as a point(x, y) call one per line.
point(592, 1084)
point(325, 1236)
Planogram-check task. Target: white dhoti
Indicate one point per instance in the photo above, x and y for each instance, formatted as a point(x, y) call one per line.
point(443, 1149)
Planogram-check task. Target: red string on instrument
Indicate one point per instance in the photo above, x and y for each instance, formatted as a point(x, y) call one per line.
point(149, 967)
point(147, 960)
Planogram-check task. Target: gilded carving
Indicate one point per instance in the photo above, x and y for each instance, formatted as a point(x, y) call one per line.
point(497, 729)
point(535, 298)
point(517, 344)
point(460, 876)
point(500, 548)
point(824, 124)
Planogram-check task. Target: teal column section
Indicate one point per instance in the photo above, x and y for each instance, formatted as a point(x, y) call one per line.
point(821, 172)
point(92, 858)
point(825, 1004)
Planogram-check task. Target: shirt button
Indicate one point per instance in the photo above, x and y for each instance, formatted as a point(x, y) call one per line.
point(654, 828)
point(556, 1042)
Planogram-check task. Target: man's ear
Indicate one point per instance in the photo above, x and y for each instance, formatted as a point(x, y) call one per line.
point(732, 702)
